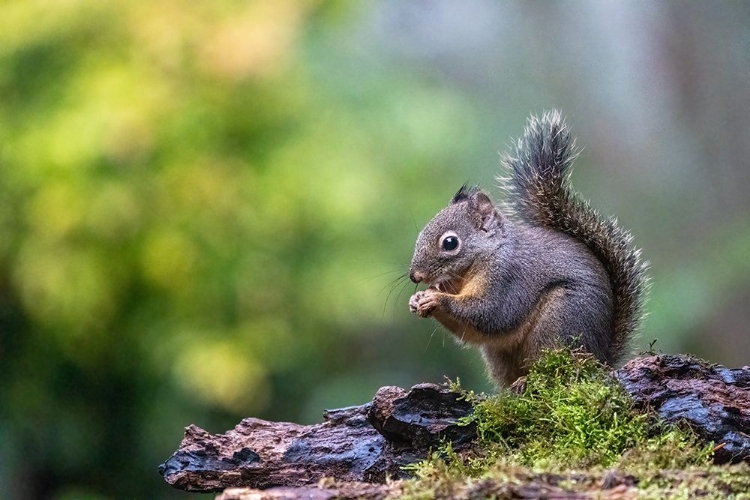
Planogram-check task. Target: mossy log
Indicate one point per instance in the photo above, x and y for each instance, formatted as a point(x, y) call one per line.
point(355, 449)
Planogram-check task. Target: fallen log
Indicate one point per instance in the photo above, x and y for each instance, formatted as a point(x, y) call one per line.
point(364, 443)
point(361, 446)
point(712, 399)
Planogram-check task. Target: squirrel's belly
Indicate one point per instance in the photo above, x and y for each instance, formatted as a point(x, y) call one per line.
point(467, 334)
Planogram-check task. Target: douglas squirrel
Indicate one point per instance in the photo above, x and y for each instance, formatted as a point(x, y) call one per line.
point(543, 270)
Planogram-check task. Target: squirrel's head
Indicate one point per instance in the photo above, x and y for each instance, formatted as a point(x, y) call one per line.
point(461, 233)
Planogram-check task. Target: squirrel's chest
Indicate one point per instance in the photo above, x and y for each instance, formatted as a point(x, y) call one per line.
point(505, 339)
point(466, 333)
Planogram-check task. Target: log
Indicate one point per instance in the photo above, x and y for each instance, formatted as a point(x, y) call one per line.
point(366, 443)
point(712, 399)
point(359, 447)
point(533, 487)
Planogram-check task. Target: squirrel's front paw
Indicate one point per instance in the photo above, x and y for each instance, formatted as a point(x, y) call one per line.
point(423, 303)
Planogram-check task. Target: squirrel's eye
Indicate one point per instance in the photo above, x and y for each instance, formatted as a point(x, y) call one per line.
point(449, 242)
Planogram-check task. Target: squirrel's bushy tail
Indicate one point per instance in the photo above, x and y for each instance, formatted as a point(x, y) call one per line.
point(540, 194)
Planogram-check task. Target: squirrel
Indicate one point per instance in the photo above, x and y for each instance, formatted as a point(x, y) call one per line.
point(543, 270)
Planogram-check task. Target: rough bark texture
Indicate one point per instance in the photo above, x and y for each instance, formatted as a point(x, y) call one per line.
point(326, 490)
point(357, 448)
point(611, 486)
point(361, 443)
point(712, 399)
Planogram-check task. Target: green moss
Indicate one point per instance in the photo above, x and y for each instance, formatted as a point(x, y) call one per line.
point(572, 412)
point(573, 428)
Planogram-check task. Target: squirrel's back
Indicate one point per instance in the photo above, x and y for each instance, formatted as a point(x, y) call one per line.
point(539, 194)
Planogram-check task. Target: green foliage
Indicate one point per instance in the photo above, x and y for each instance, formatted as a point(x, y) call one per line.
point(200, 204)
point(573, 422)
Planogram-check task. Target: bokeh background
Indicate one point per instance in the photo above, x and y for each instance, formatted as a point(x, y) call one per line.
point(205, 206)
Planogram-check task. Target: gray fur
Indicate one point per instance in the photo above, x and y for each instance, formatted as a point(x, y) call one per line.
point(550, 272)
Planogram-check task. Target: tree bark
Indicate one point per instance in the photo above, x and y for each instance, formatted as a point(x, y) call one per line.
point(359, 447)
point(712, 399)
point(364, 443)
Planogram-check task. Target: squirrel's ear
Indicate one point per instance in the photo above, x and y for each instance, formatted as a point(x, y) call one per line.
point(486, 216)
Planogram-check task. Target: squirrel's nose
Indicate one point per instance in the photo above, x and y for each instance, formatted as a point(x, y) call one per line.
point(415, 276)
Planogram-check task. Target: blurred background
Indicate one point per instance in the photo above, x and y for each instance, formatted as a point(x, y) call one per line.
point(205, 206)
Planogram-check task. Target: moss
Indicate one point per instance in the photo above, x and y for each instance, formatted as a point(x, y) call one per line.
point(573, 428)
point(572, 412)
